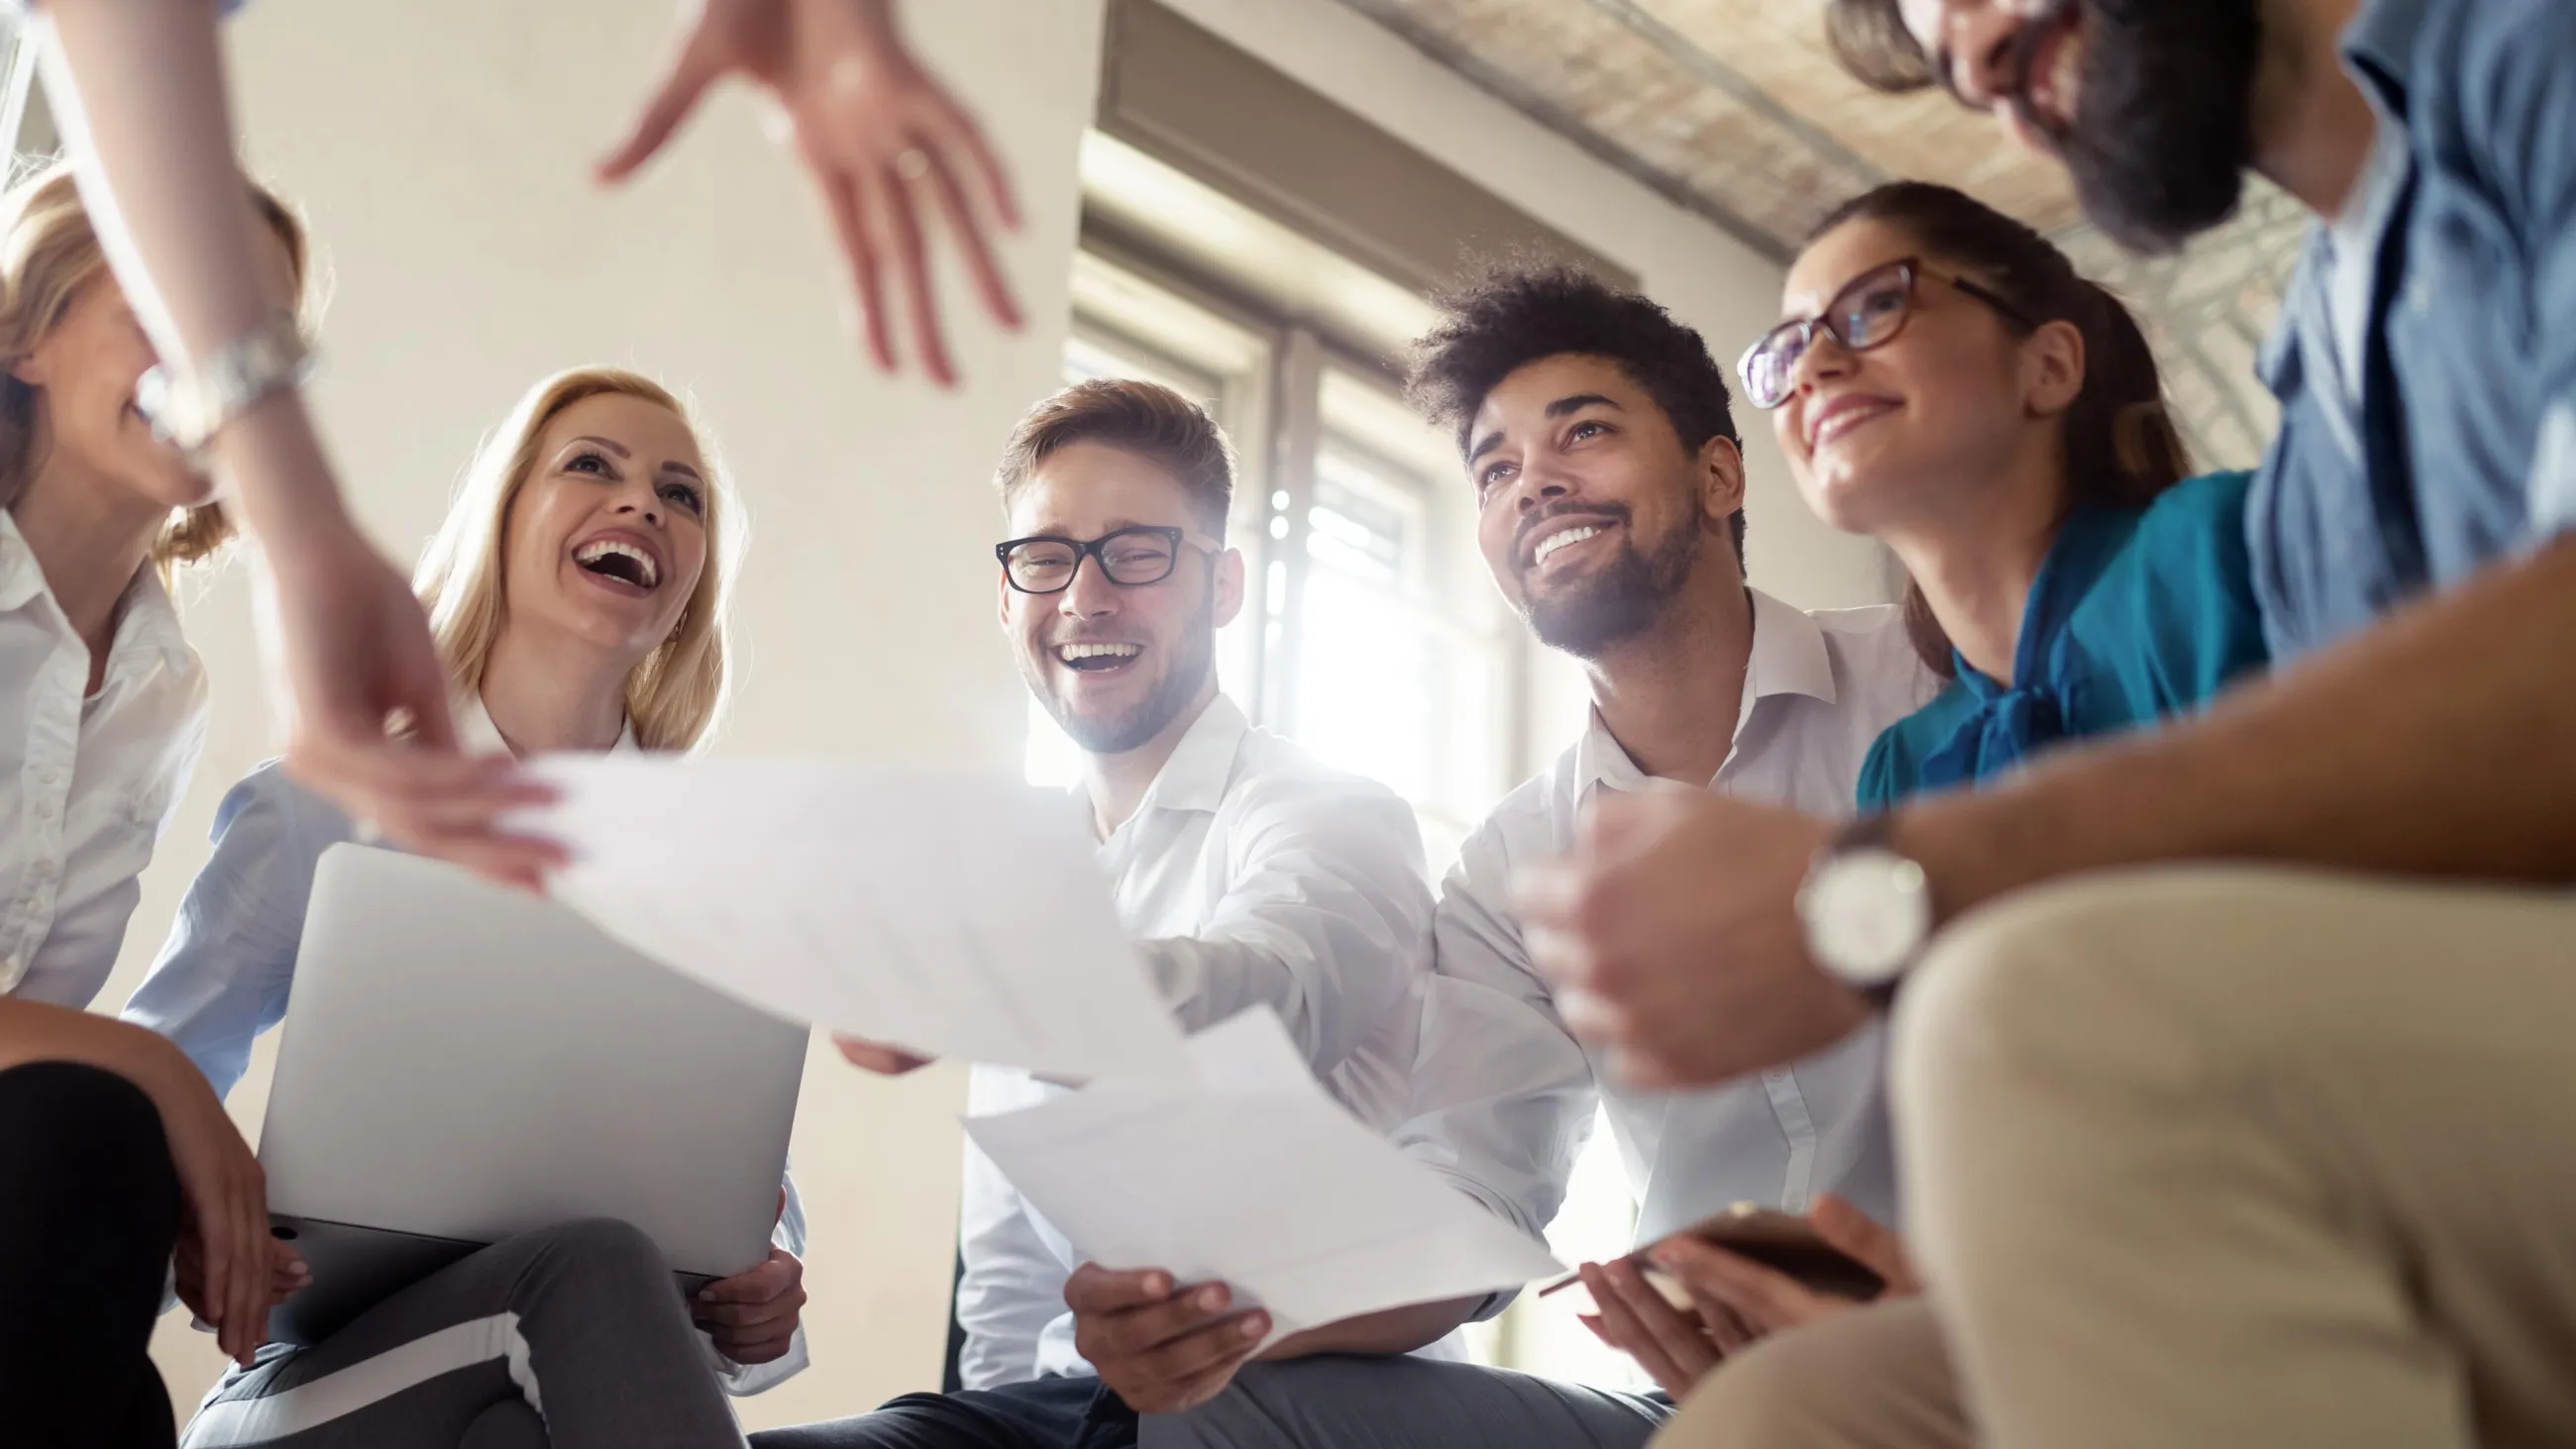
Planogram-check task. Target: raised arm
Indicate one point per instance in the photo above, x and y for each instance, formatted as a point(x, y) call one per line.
point(879, 134)
point(138, 89)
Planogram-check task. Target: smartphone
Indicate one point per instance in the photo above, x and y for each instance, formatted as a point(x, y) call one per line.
point(1782, 1242)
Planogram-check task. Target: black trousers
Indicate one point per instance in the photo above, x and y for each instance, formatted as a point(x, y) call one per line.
point(89, 1207)
point(1051, 1413)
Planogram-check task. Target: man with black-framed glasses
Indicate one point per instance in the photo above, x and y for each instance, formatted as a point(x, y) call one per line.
point(1250, 875)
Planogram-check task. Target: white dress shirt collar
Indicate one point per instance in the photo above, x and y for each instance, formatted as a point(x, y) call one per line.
point(146, 618)
point(1788, 658)
point(477, 735)
point(1201, 763)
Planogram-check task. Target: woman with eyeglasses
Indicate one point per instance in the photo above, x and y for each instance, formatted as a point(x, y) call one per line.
point(1946, 382)
point(1949, 385)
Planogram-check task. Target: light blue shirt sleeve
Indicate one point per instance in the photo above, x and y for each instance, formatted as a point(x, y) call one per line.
point(2514, 62)
point(223, 974)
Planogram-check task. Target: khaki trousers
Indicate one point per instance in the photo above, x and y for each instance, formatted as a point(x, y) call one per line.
point(2223, 1158)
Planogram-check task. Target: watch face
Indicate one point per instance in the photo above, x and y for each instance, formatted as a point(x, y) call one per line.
point(1866, 913)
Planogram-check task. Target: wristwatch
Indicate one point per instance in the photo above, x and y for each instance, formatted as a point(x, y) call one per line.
point(1867, 909)
point(187, 409)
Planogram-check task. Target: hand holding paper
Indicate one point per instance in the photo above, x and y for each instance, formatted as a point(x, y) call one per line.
point(948, 916)
point(1253, 1178)
point(1162, 1347)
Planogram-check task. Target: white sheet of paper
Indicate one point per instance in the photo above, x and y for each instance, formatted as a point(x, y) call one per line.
point(956, 916)
point(1255, 1178)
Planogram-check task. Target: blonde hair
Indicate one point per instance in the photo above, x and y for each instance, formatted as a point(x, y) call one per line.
point(48, 253)
point(674, 696)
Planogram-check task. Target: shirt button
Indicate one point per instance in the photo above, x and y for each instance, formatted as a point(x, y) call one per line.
point(45, 811)
point(45, 870)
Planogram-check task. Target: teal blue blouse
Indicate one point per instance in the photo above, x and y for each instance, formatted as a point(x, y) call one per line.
point(2137, 613)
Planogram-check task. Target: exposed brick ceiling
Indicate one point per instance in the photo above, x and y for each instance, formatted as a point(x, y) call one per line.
point(1733, 107)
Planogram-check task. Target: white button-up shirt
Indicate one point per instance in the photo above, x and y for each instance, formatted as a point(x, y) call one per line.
point(223, 976)
point(1505, 1096)
point(86, 781)
point(1250, 875)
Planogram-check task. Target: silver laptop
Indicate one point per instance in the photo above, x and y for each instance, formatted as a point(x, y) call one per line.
point(462, 1063)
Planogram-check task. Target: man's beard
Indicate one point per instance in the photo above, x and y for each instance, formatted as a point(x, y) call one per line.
point(1619, 599)
point(1161, 705)
point(2164, 117)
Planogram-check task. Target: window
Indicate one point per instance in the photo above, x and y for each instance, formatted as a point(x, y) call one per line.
point(1406, 660)
point(25, 121)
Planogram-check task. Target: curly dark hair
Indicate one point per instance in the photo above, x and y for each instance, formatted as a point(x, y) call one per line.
point(1515, 313)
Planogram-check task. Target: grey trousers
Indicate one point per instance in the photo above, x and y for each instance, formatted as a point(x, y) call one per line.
point(573, 1337)
point(1336, 1402)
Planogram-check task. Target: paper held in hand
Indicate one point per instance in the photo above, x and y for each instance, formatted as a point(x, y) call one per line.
point(1251, 1176)
point(954, 916)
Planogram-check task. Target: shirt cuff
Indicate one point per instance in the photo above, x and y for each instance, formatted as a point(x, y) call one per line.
point(742, 1380)
point(2550, 493)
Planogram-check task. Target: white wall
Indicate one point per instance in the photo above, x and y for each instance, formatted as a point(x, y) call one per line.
point(1705, 276)
point(441, 152)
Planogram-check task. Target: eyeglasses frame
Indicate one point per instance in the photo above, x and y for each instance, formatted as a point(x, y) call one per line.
point(1178, 538)
point(1913, 270)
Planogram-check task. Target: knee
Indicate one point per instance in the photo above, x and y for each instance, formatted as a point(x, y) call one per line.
point(608, 1246)
point(1253, 1411)
point(1226, 1421)
point(2051, 986)
point(1873, 1378)
point(1772, 1395)
point(510, 1425)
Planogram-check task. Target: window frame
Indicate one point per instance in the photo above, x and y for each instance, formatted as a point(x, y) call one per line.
point(1271, 402)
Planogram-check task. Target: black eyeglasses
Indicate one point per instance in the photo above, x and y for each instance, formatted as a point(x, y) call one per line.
point(1046, 563)
point(1868, 312)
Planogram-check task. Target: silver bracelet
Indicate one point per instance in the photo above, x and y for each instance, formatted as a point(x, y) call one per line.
point(187, 410)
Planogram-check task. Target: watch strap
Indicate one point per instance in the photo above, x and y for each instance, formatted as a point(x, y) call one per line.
point(187, 409)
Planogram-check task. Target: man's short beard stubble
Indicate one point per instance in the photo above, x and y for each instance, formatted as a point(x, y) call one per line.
point(1152, 714)
point(2164, 121)
point(1619, 599)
